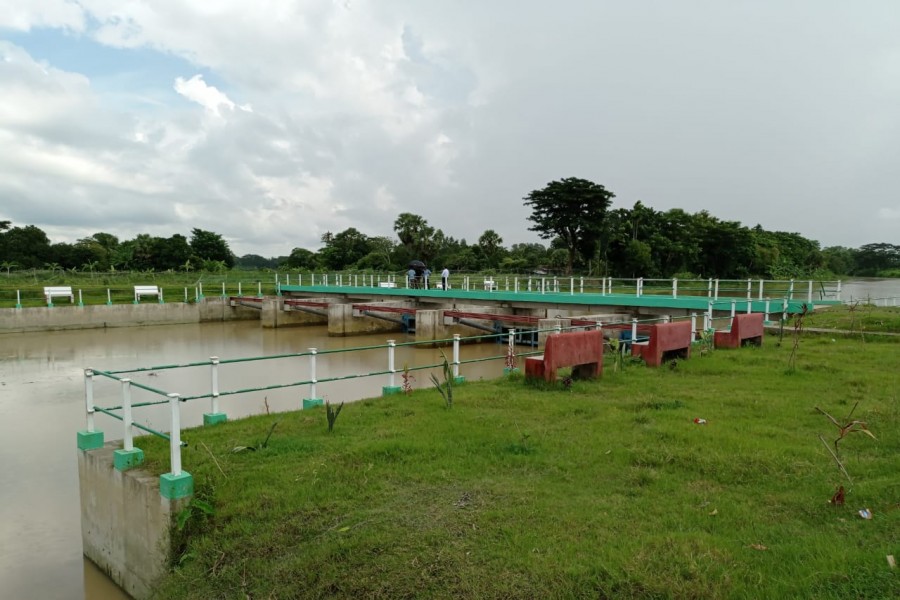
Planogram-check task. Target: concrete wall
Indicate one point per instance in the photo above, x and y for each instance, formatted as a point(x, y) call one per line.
point(341, 321)
point(125, 523)
point(17, 320)
point(274, 315)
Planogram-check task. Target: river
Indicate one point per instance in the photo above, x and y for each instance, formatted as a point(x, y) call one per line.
point(42, 408)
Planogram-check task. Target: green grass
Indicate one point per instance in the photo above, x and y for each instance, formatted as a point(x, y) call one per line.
point(860, 318)
point(605, 490)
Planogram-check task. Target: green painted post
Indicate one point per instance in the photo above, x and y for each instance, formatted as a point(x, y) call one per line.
point(391, 389)
point(214, 417)
point(128, 456)
point(176, 484)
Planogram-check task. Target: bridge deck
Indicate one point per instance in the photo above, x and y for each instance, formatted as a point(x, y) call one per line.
point(657, 301)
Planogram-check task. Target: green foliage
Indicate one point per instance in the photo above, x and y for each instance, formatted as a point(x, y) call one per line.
point(572, 210)
point(332, 413)
point(445, 388)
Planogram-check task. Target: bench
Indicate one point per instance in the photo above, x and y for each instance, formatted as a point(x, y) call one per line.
point(58, 292)
point(490, 285)
point(581, 350)
point(745, 329)
point(387, 284)
point(146, 290)
point(666, 341)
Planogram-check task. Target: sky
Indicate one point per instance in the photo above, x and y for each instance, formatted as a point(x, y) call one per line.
point(274, 122)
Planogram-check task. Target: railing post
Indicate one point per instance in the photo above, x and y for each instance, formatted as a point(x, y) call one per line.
point(791, 290)
point(733, 307)
point(716, 290)
point(240, 293)
point(674, 288)
point(391, 388)
point(766, 317)
point(760, 289)
point(214, 416)
point(456, 376)
point(89, 439)
point(510, 353)
point(839, 290)
point(571, 286)
point(784, 308)
point(609, 287)
point(809, 293)
point(708, 317)
point(81, 302)
point(749, 289)
point(223, 289)
point(313, 399)
point(603, 286)
point(200, 290)
point(177, 483)
point(581, 285)
point(543, 284)
point(19, 298)
point(128, 456)
point(529, 284)
point(709, 288)
point(516, 285)
point(633, 330)
point(259, 289)
point(693, 325)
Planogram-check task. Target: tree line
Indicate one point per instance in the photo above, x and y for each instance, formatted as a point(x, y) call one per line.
point(584, 235)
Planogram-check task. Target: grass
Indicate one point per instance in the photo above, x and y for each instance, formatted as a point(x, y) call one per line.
point(860, 318)
point(607, 489)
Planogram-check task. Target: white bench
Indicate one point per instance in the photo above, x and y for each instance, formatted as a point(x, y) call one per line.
point(146, 290)
point(62, 291)
point(387, 284)
point(490, 285)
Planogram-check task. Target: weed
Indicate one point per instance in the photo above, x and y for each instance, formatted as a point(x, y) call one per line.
point(332, 414)
point(407, 378)
point(445, 388)
point(258, 446)
point(798, 330)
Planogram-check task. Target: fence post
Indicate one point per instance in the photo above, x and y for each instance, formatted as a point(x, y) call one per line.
point(766, 318)
point(839, 290)
point(808, 294)
point(108, 297)
point(128, 456)
point(674, 288)
point(760, 289)
point(200, 291)
point(716, 290)
point(81, 302)
point(223, 289)
point(89, 439)
point(571, 286)
point(543, 284)
point(791, 290)
point(709, 288)
point(214, 416)
point(390, 388)
point(733, 307)
point(529, 284)
point(516, 285)
point(259, 289)
point(639, 286)
point(633, 330)
point(313, 399)
point(581, 285)
point(457, 378)
point(708, 317)
point(693, 325)
point(177, 483)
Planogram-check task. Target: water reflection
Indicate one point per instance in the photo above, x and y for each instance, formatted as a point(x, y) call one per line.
point(42, 407)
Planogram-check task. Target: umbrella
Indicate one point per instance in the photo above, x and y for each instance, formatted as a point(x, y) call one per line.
point(416, 264)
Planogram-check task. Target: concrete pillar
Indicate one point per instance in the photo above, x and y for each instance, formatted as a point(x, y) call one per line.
point(550, 324)
point(430, 325)
point(126, 524)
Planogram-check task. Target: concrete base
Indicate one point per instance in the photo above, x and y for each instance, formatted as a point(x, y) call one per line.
point(508, 371)
point(90, 440)
point(458, 380)
point(312, 402)
point(125, 524)
point(214, 418)
point(391, 390)
point(175, 487)
point(128, 459)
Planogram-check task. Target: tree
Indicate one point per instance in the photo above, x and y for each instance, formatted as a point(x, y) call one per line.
point(301, 258)
point(207, 245)
point(345, 249)
point(491, 245)
point(416, 236)
point(573, 210)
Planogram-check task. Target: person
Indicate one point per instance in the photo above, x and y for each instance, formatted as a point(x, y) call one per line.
point(445, 279)
point(426, 274)
point(411, 278)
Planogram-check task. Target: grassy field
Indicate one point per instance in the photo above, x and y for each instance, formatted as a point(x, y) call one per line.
point(604, 489)
point(859, 319)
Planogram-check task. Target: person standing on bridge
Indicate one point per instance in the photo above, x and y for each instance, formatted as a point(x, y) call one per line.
point(411, 278)
point(445, 279)
point(425, 275)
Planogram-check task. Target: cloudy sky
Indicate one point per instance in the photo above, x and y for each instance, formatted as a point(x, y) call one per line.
point(271, 122)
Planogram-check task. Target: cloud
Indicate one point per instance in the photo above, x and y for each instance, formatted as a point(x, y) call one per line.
point(24, 15)
point(207, 96)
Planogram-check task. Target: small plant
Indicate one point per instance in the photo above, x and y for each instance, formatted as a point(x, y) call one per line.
point(618, 349)
point(332, 414)
point(855, 426)
point(445, 388)
point(798, 330)
point(510, 358)
point(707, 341)
point(264, 444)
point(567, 382)
point(408, 378)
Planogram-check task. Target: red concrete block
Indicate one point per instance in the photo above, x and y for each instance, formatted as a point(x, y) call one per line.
point(745, 329)
point(581, 350)
point(665, 339)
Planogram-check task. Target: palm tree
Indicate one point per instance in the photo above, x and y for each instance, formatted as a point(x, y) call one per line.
point(89, 265)
point(8, 265)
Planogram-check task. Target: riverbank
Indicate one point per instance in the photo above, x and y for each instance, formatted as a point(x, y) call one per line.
point(606, 488)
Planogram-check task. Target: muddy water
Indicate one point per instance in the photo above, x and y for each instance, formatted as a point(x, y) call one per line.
point(42, 407)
